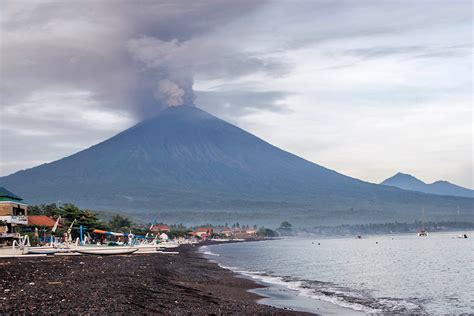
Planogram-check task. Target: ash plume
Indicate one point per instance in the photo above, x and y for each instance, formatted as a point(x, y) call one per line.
point(127, 56)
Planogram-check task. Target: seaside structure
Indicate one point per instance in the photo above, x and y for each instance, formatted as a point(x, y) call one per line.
point(236, 232)
point(224, 231)
point(159, 228)
point(42, 221)
point(202, 232)
point(13, 215)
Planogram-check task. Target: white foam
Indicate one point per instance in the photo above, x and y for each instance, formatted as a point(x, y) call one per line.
point(299, 288)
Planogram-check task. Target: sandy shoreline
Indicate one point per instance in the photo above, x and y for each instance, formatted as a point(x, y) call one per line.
point(149, 283)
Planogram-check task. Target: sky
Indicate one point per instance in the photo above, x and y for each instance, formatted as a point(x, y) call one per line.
point(367, 88)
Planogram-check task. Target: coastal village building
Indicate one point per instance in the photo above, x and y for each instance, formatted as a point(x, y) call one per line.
point(160, 228)
point(202, 232)
point(13, 215)
point(223, 231)
point(238, 233)
point(42, 221)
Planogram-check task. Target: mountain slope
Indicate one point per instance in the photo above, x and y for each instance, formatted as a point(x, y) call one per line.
point(187, 163)
point(409, 182)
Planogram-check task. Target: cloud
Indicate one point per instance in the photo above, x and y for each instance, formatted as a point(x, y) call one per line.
point(231, 103)
point(119, 51)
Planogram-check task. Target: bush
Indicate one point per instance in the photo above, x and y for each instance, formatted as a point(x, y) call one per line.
point(266, 232)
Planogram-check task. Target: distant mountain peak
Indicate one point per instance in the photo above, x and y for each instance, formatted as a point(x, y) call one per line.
point(402, 177)
point(442, 187)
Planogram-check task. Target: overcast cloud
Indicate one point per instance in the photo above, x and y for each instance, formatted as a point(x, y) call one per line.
point(367, 88)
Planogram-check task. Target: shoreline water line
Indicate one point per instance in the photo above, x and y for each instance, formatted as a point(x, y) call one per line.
point(379, 274)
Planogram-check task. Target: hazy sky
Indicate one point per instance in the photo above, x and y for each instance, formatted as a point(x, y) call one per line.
point(367, 88)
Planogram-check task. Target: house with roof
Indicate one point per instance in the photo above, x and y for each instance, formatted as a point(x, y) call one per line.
point(13, 214)
point(42, 221)
point(159, 228)
point(202, 232)
point(223, 231)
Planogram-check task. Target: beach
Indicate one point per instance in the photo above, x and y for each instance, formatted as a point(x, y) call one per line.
point(141, 283)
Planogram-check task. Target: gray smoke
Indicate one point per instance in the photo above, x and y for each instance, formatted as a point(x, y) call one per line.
point(133, 56)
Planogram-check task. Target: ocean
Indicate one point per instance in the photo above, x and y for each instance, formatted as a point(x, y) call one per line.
point(375, 274)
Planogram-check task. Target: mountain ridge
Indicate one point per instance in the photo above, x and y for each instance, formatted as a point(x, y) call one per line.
point(186, 161)
point(440, 187)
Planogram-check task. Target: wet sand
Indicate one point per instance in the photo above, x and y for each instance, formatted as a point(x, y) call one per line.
point(142, 283)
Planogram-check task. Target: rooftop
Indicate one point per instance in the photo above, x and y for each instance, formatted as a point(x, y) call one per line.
point(41, 220)
point(7, 195)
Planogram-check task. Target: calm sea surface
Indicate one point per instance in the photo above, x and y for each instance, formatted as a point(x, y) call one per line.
point(391, 273)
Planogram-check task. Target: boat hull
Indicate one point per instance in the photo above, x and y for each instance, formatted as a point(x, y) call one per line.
point(43, 250)
point(104, 251)
point(11, 252)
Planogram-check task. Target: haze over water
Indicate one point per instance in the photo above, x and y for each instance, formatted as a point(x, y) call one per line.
point(393, 273)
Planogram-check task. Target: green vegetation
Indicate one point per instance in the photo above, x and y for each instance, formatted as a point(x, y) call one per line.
point(266, 232)
point(70, 212)
point(387, 228)
point(285, 229)
point(119, 222)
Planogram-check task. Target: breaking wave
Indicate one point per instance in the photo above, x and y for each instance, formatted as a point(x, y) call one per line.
point(359, 300)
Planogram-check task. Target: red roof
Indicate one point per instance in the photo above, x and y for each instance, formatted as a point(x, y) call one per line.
point(41, 220)
point(160, 228)
point(203, 230)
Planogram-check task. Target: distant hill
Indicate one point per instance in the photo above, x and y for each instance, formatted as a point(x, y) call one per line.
point(188, 166)
point(409, 182)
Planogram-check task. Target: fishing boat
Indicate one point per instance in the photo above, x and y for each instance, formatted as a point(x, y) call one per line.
point(105, 250)
point(45, 250)
point(423, 232)
point(168, 244)
point(18, 247)
point(13, 250)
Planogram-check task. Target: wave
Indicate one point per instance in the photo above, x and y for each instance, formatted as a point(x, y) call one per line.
point(359, 300)
point(207, 252)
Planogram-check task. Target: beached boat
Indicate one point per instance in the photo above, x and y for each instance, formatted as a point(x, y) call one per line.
point(9, 251)
point(18, 247)
point(105, 250)
point(146, 247)
point(47, 250)
point(167, 244)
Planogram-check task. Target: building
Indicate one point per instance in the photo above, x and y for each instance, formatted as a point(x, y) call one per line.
point(223, 231)
point(42, 221)
point(202, 232)
point(13, 214)
point(159, 228)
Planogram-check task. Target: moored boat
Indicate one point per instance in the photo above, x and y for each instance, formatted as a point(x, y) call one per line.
point(423, 232)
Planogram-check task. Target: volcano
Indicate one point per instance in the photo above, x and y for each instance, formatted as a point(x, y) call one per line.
point(190, 166)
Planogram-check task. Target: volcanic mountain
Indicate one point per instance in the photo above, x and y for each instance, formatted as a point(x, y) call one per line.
point(189, 166)
point(409, 182)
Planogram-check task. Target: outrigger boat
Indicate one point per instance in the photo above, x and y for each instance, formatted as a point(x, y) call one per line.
point(105, 250)
point(46, 250)
point(19, 247)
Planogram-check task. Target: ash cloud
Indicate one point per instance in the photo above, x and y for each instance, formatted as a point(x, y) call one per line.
point(135, 56)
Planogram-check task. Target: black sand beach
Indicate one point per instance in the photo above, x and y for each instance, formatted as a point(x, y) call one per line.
point(144, 283)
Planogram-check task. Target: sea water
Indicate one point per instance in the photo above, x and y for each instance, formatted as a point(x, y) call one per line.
point(375, 274)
